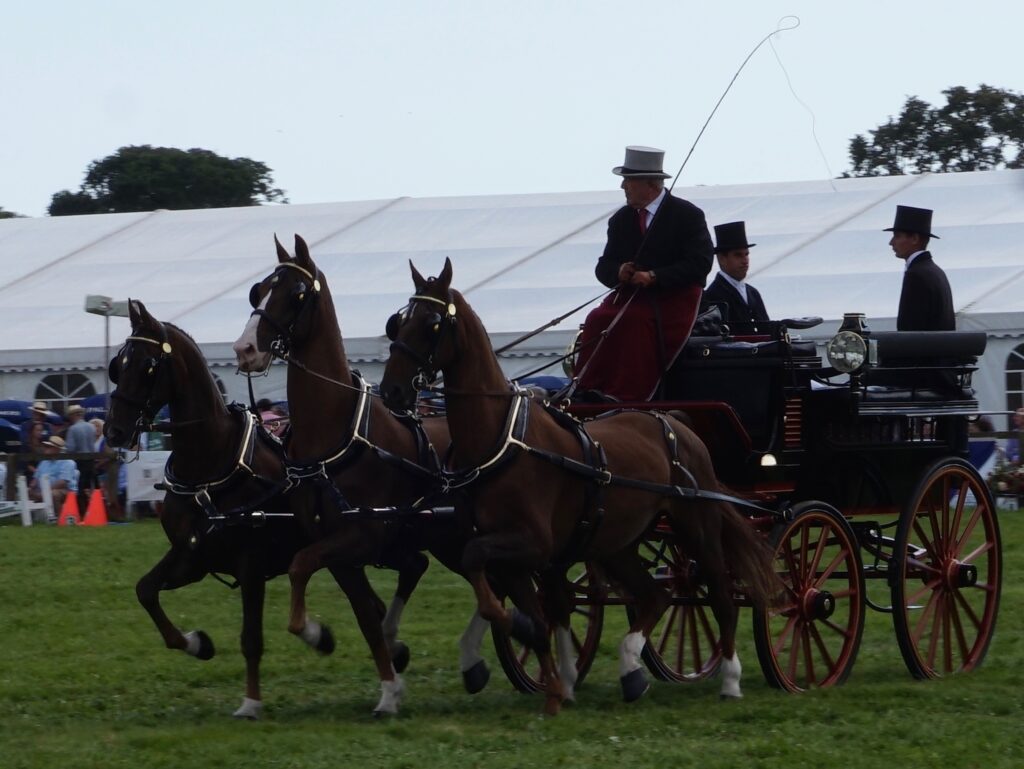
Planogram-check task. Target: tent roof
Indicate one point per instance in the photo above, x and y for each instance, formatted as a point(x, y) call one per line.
point(520, 259)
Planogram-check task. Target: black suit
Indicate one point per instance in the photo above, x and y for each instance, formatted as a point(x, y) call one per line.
point(734, 309)
point(926, 302)
point(678, 246)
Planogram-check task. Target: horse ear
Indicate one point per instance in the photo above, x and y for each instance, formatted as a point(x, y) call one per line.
point(418, 280)
point(141, 314)
point(133, 311)
point(445, 277)
point(302, 253)
point(282, 255)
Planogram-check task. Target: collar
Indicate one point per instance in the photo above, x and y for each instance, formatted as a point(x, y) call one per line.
point(652, 207)
point(739, 285)
point(912, 257)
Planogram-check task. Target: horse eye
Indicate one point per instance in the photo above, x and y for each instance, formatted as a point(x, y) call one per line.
point(391, 328)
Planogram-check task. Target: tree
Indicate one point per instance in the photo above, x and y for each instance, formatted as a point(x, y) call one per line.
point(145, 178)
point(974, 131)
point(8, 214)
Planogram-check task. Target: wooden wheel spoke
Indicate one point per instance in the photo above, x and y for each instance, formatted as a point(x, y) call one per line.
point(967, 609)
point(969, 528)
point(958, 626)
point(805, 638)
point(931, 586)
point(666, 633)
point(959, 512)
point(928, 545)
point(823, 650)
point(824, 576)
point(794, 650)
point(819, 551)
point(787, 636)
point(791, 566)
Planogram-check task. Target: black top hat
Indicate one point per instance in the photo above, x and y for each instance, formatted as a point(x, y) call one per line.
point(731, 236)
point(915, 220)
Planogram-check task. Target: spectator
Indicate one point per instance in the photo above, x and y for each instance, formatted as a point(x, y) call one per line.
point(30, 427)
point(62, 474)
point(275, 419)
point(81, 439)
point(1013, 444)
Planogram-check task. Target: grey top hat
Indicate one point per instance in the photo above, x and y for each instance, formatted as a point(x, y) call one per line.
point(916, 220)
point(642, 161)
point(731, 236)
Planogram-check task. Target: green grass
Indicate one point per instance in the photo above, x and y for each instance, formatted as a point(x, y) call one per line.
point(85, 682)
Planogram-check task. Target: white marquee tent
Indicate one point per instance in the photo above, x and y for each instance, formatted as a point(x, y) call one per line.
point(520, 259)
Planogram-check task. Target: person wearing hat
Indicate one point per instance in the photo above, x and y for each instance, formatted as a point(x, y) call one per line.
point(62, 474)
point(657, 257)
point(29, 427)
point(81, 439)
point(739, 301)
point(926, 301)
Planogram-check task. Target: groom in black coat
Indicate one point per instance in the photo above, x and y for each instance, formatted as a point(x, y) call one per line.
point(926, 301)
point(740, 302)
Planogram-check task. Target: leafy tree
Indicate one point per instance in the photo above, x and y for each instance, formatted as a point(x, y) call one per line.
point(974, 131)
point(8, 214)
point(145, 178)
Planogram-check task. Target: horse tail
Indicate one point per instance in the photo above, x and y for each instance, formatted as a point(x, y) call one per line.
point(748, 556)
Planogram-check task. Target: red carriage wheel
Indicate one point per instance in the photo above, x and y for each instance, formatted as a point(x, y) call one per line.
point(811, 637)
point(586, 621)
point(684, 644)
point(948, 572)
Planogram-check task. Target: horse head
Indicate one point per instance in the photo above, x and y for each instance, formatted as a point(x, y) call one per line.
point(283, 307)
point(423, 339)
point(142, 375)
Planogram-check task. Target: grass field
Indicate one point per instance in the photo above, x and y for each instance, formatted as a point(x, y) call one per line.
point(85, 682)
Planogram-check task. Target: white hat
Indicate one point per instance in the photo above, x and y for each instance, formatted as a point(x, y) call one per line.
point(642, 161)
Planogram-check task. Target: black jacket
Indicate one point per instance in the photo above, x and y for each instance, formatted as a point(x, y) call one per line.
point(678, 246)
point(734, 309)
point(926, 302)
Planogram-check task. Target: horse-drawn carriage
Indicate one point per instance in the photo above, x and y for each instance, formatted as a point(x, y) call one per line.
point(857, 472)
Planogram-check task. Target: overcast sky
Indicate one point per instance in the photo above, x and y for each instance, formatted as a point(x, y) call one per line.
point(365, 100)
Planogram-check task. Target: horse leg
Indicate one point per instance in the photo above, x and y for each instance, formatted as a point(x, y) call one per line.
point(475, 674)
point(410, 569)
point(558, 611)
point(650, 603)
point(177, 568)
point(368, 608)
point(713, 568)
point(253, 593)
point(304, 564)
point(524, 596)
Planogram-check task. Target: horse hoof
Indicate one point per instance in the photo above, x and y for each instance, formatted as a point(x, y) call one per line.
point(476, 678)
point(326, 643)
point(634, 685)
point(400, 656)
point(730, 697)
point(522, 628)
point(200, 645)
point(552, 706)
point(250, 710)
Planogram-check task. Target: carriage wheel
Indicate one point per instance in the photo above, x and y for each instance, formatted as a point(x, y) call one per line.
point(585, 622)
point(683, 646)
point(948, 572)
point(811, 636)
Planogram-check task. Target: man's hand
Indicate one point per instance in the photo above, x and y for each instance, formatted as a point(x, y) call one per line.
point(642, 278)
point(626, 271)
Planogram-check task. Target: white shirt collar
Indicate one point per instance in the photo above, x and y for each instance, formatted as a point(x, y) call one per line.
point(739, 285)
point(912, 257)
point(652, 207)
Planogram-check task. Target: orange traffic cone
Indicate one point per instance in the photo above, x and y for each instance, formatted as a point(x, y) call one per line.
point(96, 514)
point(69, 511)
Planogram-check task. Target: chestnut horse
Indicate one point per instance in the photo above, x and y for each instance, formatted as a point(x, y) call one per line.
point(537, 499)
point(349, 455)
point(224, 511)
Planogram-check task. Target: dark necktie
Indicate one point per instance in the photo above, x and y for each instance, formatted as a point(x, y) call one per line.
point(642, 216)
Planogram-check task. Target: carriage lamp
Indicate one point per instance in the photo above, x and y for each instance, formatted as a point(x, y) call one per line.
point(846, 351)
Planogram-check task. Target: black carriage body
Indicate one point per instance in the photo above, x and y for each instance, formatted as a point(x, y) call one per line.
point(876, 504)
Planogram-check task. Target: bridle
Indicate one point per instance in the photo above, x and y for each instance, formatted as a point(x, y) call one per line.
point(427, 366)
point(154, 365)
point(301, 294)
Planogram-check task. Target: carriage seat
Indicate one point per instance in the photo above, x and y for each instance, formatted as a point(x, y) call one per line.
point(746, 348)
point(929, 366)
